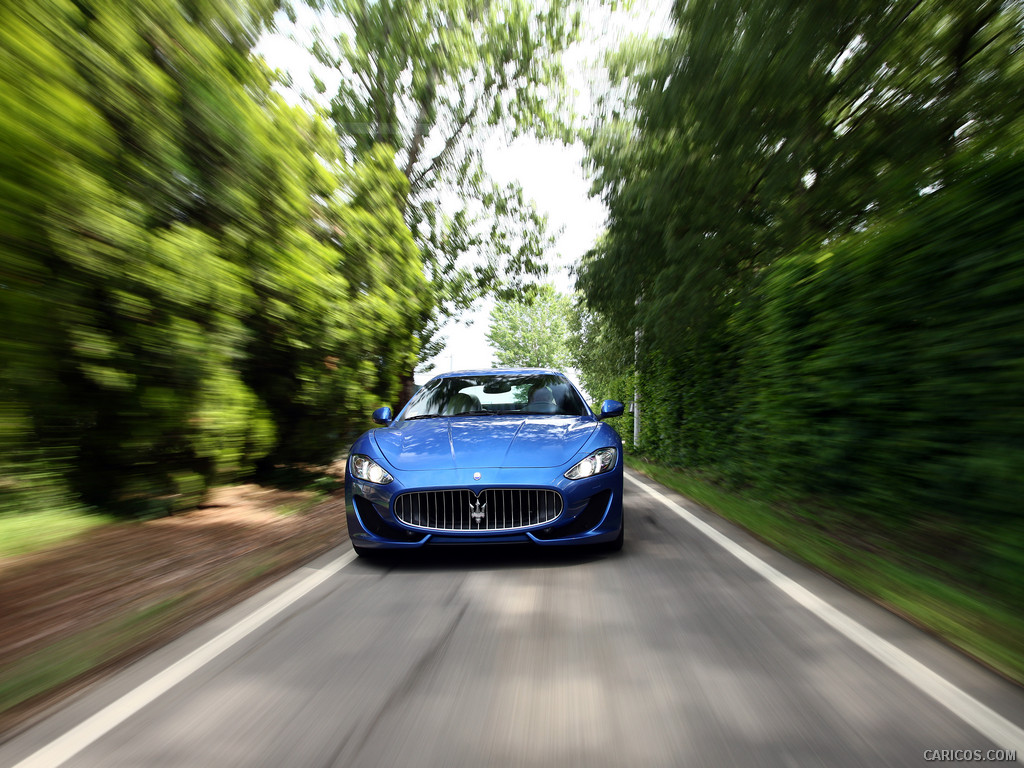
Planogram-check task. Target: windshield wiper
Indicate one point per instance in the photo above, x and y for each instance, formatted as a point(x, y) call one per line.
point(423, 416)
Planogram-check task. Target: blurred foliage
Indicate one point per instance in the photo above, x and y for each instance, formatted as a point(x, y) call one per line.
point(887, 370)
point(435, 79)
point(192, 277)
point(815, 235)
point(758, 128)
point(533, 333)
point(604, 354)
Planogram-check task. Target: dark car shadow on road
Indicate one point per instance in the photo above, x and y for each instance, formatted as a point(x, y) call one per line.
point(493, 557)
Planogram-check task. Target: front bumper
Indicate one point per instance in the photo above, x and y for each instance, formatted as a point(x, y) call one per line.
point(591, 511)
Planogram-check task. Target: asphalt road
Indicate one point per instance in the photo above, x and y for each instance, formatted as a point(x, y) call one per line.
point(686, 649)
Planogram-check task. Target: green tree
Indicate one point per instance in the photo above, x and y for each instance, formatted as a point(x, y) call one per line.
point(604, 355)
point(756, 129)
point(123, 132)
point(433, 79)
point(337, 285)
point(535, 333)
point(192, 276)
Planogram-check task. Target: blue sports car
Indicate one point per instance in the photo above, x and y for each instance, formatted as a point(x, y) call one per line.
point(488, 457)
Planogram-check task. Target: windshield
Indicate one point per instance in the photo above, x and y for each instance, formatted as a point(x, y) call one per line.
point(490, 394)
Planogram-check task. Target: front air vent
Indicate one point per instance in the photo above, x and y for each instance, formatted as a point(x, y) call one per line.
point(494, 509)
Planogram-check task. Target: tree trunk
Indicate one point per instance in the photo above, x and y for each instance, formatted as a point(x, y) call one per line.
point(406, 389)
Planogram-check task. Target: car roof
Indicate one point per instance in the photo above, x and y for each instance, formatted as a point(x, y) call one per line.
point(498, 371)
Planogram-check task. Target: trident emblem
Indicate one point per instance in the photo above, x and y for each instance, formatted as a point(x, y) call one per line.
point(478, 512)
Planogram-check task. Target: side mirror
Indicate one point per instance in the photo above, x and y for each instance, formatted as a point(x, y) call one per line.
point(382, 416)
point(610, 409)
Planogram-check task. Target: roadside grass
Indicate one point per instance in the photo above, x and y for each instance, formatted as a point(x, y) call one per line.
point(71, 657)
point(22, 533)
point(300, 506)
point(301, 478)
point(975, 622)
point(317, 482)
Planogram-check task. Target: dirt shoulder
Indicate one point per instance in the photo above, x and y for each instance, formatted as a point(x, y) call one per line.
point(74, 613)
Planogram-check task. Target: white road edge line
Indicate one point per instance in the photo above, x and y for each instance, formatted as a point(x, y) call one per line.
point(64, 747)
point(986, 721)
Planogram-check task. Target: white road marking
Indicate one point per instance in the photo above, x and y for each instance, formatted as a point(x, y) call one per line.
point(63, 748)
point(986, 721)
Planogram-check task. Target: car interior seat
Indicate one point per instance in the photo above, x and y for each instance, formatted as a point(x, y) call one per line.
point(542, 401)
point(461, 403)
point(560, 395)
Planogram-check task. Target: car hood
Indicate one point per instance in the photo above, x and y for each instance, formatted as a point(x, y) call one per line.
point(459, 442)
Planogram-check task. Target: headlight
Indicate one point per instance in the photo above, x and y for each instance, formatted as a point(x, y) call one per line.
point(596, 463)
point(365, 468)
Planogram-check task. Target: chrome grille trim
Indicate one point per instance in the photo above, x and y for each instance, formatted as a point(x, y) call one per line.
point(504, 509)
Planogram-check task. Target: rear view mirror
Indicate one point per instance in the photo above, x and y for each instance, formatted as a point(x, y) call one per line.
point(382, 416)
point(610, 409)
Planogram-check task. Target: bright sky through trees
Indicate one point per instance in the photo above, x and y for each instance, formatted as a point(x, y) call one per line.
point(551, 174)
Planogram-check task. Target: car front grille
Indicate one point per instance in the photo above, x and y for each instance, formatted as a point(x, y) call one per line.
point(495, 509)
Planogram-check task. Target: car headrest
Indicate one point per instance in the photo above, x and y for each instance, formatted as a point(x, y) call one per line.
point(461, 403)
point(542, 395)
